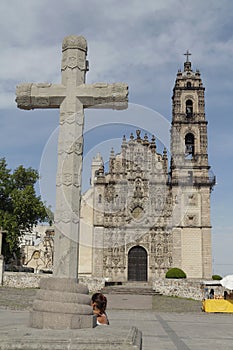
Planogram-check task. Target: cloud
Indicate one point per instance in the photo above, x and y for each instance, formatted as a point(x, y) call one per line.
point(141, 43)
point(125, 42)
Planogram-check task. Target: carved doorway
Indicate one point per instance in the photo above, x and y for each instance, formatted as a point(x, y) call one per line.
point(137, 264)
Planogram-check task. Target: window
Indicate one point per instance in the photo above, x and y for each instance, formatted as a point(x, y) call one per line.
point(100, 198)
point(188, 84)
point(189, 109)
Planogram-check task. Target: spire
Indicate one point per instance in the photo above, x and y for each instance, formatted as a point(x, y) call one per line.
point(153, 144)
point(145, 141)
point(187, 54)
point(165, 153)
point(101, 170)
point(111, 161)
point(138, 132)
point(112, 153)
point(124, 144)
point(131, 136)
point(187, 64)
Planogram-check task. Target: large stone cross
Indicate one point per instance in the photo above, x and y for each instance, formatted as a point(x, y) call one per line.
point(60, 301)
point(71, 96)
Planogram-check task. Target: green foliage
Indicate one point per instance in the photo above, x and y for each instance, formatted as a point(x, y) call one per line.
point(175, 272)
point(20, 208)
point(216, 277)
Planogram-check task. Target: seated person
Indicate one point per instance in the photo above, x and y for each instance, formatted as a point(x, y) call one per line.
point(211, 295)
point(99, 304)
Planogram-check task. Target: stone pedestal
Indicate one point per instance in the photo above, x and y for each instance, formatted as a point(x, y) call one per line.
point(62, 303)
point(104, 338)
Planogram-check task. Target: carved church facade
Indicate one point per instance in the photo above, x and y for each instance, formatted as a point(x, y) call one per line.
point(149, 213)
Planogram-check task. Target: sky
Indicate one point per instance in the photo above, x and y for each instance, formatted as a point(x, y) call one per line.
point(138, 42)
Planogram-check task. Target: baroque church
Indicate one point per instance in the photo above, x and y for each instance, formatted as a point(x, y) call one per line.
point(149, 213)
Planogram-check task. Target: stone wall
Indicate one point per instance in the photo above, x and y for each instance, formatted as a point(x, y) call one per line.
point(185, 288)
point(32, 280)
point(94, 284)
point(22, 279)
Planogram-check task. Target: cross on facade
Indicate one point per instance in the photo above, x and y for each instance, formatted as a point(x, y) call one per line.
point(71, 96)
point(187, 54)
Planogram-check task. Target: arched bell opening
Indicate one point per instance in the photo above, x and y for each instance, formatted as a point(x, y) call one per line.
point(189, 146)
point(189, 109)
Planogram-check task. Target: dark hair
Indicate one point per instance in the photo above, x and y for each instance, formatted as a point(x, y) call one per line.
point(100, 300)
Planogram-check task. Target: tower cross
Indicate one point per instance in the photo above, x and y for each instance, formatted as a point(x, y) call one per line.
point(187, 54)
point(71, 96)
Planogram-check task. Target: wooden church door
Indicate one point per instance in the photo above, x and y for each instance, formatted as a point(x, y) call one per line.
point(137, 264)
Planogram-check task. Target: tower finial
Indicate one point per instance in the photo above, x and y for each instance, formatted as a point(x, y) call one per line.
point(187, 54)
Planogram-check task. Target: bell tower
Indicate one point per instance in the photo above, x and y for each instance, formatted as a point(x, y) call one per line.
point(190, 178)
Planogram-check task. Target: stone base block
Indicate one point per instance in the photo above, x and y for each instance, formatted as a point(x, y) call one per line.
point(101, 337)
point(62, 303)
point(56, 320)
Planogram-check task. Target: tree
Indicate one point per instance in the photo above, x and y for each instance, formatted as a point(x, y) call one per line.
point(20, 207)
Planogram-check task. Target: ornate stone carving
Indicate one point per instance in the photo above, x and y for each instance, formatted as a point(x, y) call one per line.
point(23, 99)
point(74, 42)
point(160, 206)
point(42, 102)
point(191, 199)
point(77, 147)
point(114, 95)
point(74, 60)
point(71, 118)
point(109, 193)
point(190, 220)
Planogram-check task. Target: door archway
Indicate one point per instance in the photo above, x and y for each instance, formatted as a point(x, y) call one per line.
point(137, 264)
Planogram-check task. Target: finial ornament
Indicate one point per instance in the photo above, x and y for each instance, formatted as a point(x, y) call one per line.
point(138, 132)
point(187, 54)
point(74, 42)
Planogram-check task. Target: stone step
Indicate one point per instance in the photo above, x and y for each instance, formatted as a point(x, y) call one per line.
point(129, 288)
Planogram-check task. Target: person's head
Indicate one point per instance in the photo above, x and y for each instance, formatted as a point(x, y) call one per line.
point(99, 303)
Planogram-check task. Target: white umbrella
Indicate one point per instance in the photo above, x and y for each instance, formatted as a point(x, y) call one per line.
point(227, 282)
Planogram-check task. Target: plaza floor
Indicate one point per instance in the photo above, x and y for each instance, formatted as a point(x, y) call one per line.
point(160, 330)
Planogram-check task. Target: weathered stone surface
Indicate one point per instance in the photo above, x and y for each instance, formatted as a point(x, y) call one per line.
point(32, 280)
point(24, 338)
point(68, 97)
point(62, 303)
point(185, 288)
point(22, 279)
point(140, 206)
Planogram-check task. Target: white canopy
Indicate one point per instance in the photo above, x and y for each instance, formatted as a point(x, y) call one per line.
point(227, 282)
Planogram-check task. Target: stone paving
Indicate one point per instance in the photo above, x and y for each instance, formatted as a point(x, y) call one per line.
point(187, 331)
point(160, 330)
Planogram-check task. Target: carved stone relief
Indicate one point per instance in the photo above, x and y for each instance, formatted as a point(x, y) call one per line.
point(191, 199)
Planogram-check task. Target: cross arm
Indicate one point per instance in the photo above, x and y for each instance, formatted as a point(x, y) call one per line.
point(102, 95)
point(42, 95)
